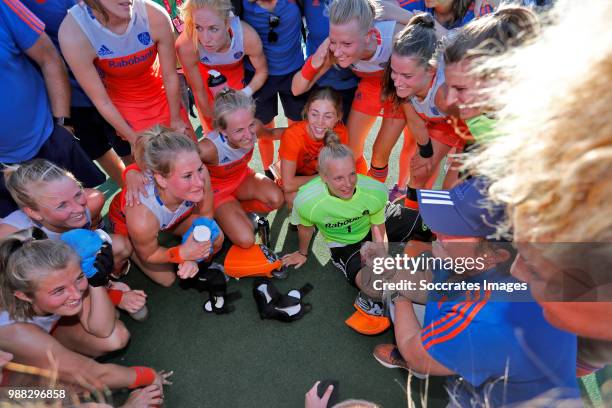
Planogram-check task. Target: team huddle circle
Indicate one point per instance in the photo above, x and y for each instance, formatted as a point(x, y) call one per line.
point(442, 157)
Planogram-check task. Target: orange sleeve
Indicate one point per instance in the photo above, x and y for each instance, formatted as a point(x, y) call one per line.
point(290, 142)
point(342, 133)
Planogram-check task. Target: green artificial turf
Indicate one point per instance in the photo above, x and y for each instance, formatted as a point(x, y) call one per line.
point(239, 360)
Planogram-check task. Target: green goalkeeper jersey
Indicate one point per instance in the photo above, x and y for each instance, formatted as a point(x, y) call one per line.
point(483, 128)
point(341, 222)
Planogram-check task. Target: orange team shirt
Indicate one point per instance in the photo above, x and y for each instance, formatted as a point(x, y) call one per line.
point(297, 146)
point(127, 66)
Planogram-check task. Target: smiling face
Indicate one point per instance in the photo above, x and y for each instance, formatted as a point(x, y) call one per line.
point(340, 177)
point(321, 115)
point(409, 76)
point(240, 129)
point(186, 180)
point(347, 42)
point(59, 292)
point(61, 205)
point(211, 29)
point(462, 89)
point(120, 9)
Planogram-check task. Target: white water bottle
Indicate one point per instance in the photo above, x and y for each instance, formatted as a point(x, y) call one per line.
point(201, 233)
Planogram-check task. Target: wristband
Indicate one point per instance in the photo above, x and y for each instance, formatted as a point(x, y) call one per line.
point(115, 296)
point(174, 255)
point(426, 151)
point(247, 90)
point(144, 376)
point(308, 71)
point(304, 255)
point(131, 167)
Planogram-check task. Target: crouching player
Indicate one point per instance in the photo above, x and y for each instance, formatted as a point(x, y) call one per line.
point(494, 344)
point(350, 209)
point(52, 199)
point(53, 317)
point(227, 151)
point(176, 192)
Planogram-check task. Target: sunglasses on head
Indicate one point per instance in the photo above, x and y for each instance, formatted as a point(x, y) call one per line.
point(273, 22)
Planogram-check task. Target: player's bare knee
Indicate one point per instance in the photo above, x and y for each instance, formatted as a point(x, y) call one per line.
point(95, 200)
point(118, 339)
point(244, 240)
point(166, 281)
point(276, 200)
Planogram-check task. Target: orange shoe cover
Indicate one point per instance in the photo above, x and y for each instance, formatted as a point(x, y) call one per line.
point(257, 260)
point(367, 324)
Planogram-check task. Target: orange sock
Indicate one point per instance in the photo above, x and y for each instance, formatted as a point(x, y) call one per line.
point(255, 206)
point(266, 151)
point(266, 148)
point(361, 165)
point(379, 174)
point(408, 203)
point(411, 200)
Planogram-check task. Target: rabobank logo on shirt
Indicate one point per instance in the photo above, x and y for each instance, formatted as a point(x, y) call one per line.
point(225, 159)
point(104, 50)
point(131, 60)
point(435, 111)
point(144, 38)
point(238, 55)
point(205, 59)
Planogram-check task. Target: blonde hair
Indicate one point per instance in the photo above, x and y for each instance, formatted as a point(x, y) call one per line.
point(345, 11)
point(25, 259)
point(553, 166)
point(229, 101)
point(333, 150)
point(330, 138)
point(157, 148)
point(23, 180)
point(222, 7)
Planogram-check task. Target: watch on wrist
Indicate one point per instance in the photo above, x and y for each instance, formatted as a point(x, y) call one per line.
point(62, 121)
point(305, 255)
